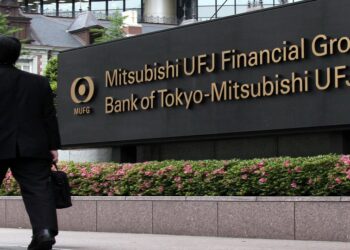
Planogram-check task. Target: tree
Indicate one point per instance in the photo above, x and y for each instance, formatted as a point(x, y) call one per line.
point(5, 29)
point(114, 31)
point(51, 73)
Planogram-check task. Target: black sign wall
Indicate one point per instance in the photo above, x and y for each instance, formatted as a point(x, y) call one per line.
point(279, 69)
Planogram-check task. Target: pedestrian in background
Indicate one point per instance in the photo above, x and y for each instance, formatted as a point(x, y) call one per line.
point(29, 139)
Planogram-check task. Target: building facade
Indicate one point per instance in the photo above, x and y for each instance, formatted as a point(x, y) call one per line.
point(44, 36)
point(151, 11)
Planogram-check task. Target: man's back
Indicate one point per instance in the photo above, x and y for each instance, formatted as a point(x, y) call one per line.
point(29, 140)
point(28, 124)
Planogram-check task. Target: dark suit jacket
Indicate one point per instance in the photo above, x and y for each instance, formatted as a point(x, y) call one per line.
point(28, 123)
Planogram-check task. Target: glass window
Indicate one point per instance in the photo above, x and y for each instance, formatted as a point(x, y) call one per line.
point(65, 8)
point(205, 12)
point(34, 6)
point(241, 9)
point(133, 4)
point(80, 6)
point(206, 2)
point(25, 65)
point(115, 5)
point(49, 8)
point(278, 2)
point(22, 5)
point(26, 68)
point(99, 9)
point(207, 8)
point(229, 2)
point(226, 10)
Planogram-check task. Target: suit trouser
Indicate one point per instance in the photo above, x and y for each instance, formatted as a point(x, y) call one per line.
point(33, 177)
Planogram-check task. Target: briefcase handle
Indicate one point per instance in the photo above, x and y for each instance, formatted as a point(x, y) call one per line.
point(55, 165)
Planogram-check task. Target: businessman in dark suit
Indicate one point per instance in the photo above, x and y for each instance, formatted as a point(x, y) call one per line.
point(29, 139)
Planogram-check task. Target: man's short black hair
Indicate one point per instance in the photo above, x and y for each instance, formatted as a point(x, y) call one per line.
point(10, 49)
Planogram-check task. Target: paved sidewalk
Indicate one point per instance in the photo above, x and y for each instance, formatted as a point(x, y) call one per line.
point(17, 239)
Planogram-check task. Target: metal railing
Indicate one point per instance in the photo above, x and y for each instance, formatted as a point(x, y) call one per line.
point(160, 20)
point(219, 10)
point(99, 14)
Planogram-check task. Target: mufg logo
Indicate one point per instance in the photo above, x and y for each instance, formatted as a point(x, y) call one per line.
point(81, 92)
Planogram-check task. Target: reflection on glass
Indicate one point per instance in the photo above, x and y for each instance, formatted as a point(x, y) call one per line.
point(49, 8)
point(22, 5)
point(226, 11)
point(205, 12)
point(34, 6)
point(81, 6)
point(206, 2)
point(114, 5)
point(207, 9)
point(241, 9)
point(228, 2)
point(99, 9)
point(133, 4)
point(65, 8)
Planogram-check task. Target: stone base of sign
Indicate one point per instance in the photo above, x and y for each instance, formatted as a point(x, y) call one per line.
point(299, 218)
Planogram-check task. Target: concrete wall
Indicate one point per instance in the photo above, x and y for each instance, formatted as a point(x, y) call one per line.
point(299, 218)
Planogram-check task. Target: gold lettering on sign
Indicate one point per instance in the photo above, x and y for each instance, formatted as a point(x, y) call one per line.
point(111, 80)
point(322, 45)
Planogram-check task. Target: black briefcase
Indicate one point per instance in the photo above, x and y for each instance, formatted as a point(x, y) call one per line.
point(61, 188)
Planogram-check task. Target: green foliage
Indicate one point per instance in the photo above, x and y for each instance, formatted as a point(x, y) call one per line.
point(326, 175)
point(5, 29)
point(114, 31)
point(51, 72)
